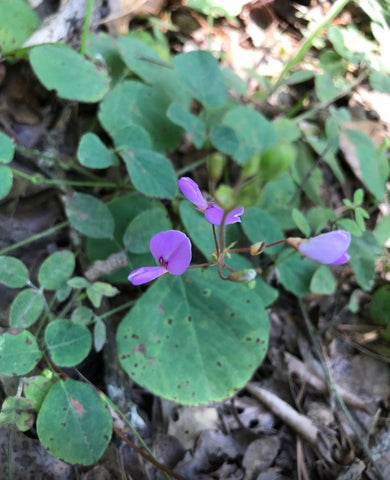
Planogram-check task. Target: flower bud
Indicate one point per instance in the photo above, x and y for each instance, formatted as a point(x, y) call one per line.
point(215, 165)
point(251, 168)
point(257, 248)
point(225, 197)
point(277, 160)
point(243, 276)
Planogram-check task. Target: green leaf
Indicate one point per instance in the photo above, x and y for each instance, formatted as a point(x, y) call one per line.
point(142, 228)
point(233, 81)
point(325, 88)
point(92, 152)
point(82, 315)
point(198, 229)
point(132, 137)
point(17, 412)
point(254, 132)
point(191, 123)
point(351, 226)
point(154, 70)
point(306, 174)
point(95, 296)
point(380, 305)
point(260, 226)
point(151, 173)
point(19, 352)
point(73, 423)
point(56, 270)
point(295, 273)
point(318, 217)
point(225, 139)
point(63, 292)
point(123, 210)
point(73, 77)
point(301, 222)
point(323, 281)
point(6, 180)
point(372, 166)
point(7, 147)
point(287, 129)
point(105, 289)
point(68, 343)
point(18, 21)
point(89, 216)
point(36, 388)
point(332, 63)
point(26, 308)
point(133, 103)
point(78, 282)
point(382, 230)
point(200, 72)
point(13, 272)
point(380, 82)
point(99, 334)
point(177, 327)
point(363, 251)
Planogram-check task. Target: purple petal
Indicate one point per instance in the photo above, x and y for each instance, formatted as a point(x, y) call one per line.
point(327, 248)
point(343, 259)
point(191, 190)
point(214, 215)
point(145, 274)
point(172, 248)
point(234, 215)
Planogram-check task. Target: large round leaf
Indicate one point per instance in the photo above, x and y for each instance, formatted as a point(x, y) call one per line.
point(73, 423)
point(90, 216)
point(73, 77)
point(68, 343)
point(194, 338)
point(19, 352)
point(56, 269)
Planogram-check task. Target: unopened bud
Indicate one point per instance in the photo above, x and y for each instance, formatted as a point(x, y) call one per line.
point(215, 165)
point(294, 241)
point(243, 276)
point(257, 248)
point(251, 168)
point(225, 197)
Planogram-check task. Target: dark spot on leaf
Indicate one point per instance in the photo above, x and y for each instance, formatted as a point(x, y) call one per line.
point(257, 340)
point(141, 348)
point(179, 387)
point(134, 336)
point(248, 301)
point(29, 341)
point(136, 365)
point(167, 336)
point(193, 394)
point(176, 345)
point(219, 364)
point(105, 437)
point(248, 339)
point(51, 439)
point(232, 314)
point(189, 319)
point(169, 321)
point(63, 424)
point(125, 337)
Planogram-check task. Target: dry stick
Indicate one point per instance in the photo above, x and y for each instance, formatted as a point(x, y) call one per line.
point(356, 429)
point(298, 422)
point(147, 457)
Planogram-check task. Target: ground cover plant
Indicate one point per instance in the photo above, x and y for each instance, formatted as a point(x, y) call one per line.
point(196, 204)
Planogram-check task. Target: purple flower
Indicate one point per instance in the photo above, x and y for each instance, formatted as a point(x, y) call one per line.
point(212, 212)
point(172, 250)
point(328, 248)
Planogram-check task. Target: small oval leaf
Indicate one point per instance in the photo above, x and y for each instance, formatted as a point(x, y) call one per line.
point(13, 272)
point(56, 269)
point(26, 308)
point(19, 353)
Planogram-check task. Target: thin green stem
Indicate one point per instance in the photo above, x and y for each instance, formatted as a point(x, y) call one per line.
point(215, 240)
point(45, 317)
point(38, 179)
point(190, 168)
point(201, 265)
point(85, 30)
point(37, 236)
point(118, 309)
point(308, 42)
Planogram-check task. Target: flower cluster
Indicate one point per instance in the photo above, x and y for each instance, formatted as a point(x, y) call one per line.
point(212, 212)
point(172, 249)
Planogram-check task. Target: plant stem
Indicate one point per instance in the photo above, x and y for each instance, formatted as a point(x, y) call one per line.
point(201, 265)
point(215, 240)
point(307, 43)
point(40, 179)
point(117, 309)
point(85, 30)
point(37, 236)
